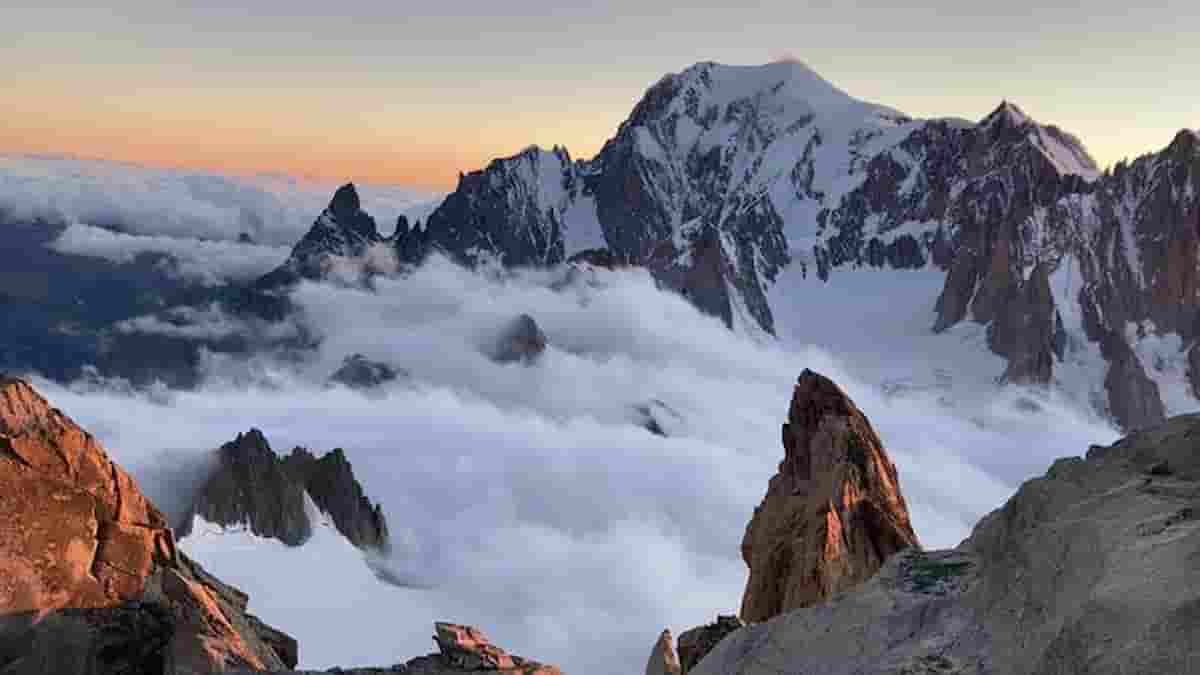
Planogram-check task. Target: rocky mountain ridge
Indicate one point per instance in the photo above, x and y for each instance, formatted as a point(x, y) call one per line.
point(723, 176)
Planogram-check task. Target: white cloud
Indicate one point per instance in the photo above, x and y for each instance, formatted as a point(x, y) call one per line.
point(208, 323)
point(528, 496)
point(275, 210)
point(206, 262)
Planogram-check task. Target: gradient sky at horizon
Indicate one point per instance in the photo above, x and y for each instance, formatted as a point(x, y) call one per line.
point(414, 91)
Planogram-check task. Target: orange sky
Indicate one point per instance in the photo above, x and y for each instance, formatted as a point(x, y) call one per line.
point(415, 94)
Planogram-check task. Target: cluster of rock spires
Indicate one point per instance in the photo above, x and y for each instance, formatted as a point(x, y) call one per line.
point(256, 488)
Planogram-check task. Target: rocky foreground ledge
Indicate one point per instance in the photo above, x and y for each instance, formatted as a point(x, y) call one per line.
point(90, 578)
point(461, 649)
point(1093, 568)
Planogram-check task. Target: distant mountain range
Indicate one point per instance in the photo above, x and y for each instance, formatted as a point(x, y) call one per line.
point(722, 178)
point(725, 175)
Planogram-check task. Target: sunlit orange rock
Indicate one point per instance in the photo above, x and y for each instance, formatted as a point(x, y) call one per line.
point(832, 514)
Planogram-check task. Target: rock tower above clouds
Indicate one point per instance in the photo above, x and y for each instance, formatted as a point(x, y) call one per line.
point(256, 488)
point(832, 514)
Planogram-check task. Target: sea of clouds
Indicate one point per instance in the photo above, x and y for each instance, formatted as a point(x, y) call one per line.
point(530, 500)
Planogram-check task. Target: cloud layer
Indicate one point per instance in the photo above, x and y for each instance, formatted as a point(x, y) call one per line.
point(528, 500)
point(274, 210)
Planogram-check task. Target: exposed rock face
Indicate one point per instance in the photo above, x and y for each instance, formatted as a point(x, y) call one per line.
point(252, 488)
point(1088, 569)
point(94, 536)
point(1133, 398)
point(255, 487)
point(663, 660)
point(330, 482)
point(696, 643)
point(90, 579)
point(512, 211)
point(521, 340)
point(831, 516)
point(1028, 330)
point(359, 372)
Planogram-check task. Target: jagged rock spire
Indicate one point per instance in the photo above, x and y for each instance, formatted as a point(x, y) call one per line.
point(832, 514)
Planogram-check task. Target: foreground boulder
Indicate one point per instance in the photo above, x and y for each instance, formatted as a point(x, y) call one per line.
point(1088, 569)
point(832, 514)
point(255, 487)
point(90, 578)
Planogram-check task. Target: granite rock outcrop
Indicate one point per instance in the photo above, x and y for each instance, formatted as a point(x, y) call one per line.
point(90, 578)
point(832, 514)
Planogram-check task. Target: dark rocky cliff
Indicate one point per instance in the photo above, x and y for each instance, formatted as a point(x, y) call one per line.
point(255, 487)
